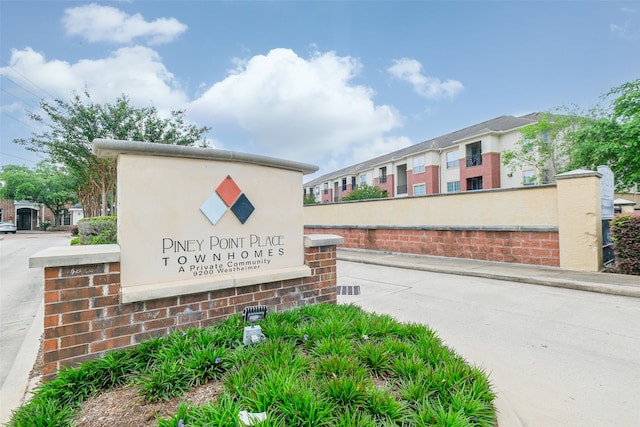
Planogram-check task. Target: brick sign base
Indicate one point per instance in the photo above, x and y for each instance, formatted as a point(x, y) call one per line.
point(84, 318)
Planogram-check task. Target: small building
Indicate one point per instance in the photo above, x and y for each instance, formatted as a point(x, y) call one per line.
point(29, 216)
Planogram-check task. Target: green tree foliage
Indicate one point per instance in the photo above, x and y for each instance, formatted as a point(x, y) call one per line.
point(47, 184)
point(75, 124)
point(309, 200)
point(611, 136)
point(366, 192)
point(542, 147)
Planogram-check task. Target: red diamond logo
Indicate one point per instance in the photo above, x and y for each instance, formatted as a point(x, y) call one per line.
point(228, 191)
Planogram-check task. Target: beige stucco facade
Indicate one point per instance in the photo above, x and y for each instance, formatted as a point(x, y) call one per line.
point(505, 208)
point(579, 220)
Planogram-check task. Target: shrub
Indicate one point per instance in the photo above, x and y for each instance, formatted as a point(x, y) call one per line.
point(309, 200)
point(100, 230)
point(44, 225)
point(625, 231)
point(366, 192)
point(74, 230)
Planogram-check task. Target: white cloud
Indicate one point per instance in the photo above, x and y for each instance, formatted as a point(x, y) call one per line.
point(630, 29)
point(295, 108)
point(135, 71)
point(410, 70)
point(105, 23)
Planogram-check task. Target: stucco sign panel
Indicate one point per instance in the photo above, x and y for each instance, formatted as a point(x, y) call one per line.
point(205, 224)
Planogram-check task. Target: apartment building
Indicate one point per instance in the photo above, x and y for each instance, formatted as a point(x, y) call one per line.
point(464, 160)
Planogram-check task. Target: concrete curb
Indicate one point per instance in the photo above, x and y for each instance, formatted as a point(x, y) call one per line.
point(395, 260)
point(16, 387)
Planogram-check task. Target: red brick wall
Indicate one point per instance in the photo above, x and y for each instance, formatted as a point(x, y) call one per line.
point(489, 170)
point(389, 185)
point(83, 316)
point(524, 247)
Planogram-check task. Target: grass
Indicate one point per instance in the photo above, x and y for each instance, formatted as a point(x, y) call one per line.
point(322, 365)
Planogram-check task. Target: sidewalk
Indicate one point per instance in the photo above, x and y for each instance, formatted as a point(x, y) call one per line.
point(606, 283)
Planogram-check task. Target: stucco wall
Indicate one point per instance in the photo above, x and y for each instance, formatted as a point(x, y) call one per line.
point(531, 207)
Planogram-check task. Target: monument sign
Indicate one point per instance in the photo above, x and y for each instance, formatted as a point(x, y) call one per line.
point(194, 219)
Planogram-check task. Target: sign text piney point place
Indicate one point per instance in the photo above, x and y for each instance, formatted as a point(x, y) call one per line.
point(219, 255)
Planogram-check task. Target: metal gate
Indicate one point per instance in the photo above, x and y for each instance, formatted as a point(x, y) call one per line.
point(606, 203)
point(608, 256)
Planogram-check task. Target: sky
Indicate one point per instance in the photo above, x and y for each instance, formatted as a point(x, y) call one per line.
point(331, 83)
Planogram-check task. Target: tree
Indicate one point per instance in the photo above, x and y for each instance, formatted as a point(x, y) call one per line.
point(611, 136)
point(47, 184)
point(75, 124)
point(543, 147)
point(309, 200)
point(366, 192)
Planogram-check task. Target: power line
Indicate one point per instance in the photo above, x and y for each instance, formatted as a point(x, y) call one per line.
point(21, 121)
point(21, 158)
point(27, 79)
point(22, 100)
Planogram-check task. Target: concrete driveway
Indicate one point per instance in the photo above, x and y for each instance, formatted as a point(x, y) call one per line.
point(557, 357)
point(21, 311)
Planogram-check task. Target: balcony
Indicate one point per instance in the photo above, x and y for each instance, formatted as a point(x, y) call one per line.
point(401, 189)
point(474, 160)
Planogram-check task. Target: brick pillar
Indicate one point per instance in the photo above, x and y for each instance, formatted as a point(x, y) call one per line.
point(77, 300)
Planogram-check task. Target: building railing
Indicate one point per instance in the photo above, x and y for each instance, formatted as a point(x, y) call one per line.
point(383, 180)
point(401, 189)
point(475, 160)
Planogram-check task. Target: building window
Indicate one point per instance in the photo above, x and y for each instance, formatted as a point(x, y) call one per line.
point(344, 184)
point(353, 183)
point(419, 190)
point(363, 180)
point(418, 164)
point(546, 176)
point(65, 218)
point(326, 188)
point(528, 145)
point(474, 183)
point(474, 154)
point(383, 175)
point(453, 159)
point(528, 178)
point(453, 186)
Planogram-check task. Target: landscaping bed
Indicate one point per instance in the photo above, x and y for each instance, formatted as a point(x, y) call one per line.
point(321, 365)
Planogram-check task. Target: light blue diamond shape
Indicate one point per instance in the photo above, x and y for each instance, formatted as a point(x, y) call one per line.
point(213, 208)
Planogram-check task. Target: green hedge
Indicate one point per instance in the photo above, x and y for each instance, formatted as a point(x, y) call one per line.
point(625, 231)
point(100, 230)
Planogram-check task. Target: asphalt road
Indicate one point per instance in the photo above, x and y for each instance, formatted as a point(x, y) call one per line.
point(556, 357)
point(21, 297)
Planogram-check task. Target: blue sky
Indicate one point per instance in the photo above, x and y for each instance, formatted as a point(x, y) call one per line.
point(328, 83)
